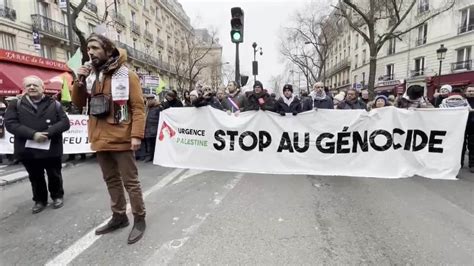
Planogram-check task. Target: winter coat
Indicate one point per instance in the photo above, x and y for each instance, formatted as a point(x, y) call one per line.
point(406, 103)
point(23, 121)
point(470, 120)
point(169, 104)
point(104, 133)
point(152, 119)
point(306, 104)
point(237, 98)
point(211, 101)
point(256, 102)
point(325, 103)
point(347, 105)
point(294, 107)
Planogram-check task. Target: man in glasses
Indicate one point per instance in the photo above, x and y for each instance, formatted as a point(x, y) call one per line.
point(352, 101)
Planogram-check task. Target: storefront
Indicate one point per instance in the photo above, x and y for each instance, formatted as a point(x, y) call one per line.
point(15, 66)
point(392, 87)
point(461, 79)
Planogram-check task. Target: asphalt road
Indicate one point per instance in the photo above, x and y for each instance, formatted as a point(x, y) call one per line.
point(216, 218)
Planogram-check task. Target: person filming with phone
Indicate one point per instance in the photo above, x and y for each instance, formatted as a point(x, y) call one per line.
point(37, 121)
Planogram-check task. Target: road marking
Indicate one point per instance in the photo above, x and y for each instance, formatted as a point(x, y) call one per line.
point(168, 250)
point(188, 174)
point(14, 176)
point(87, 240)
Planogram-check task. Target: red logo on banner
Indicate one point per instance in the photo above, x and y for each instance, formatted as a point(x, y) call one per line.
point(165, 128)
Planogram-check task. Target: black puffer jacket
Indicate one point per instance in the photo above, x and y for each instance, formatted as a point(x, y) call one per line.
point(262, 101)
point(152, 118)
point(172, 103)
point(25, 121)
point(295, 106)
point(205, 101)
point(470, 120)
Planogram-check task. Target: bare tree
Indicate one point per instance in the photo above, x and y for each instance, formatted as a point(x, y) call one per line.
point(392, 13)
point(191, 61)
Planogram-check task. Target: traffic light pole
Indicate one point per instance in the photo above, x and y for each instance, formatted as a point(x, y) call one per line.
point(237, 64)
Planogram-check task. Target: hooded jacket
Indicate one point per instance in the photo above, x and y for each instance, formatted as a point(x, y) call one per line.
point(454, 100)
point(262, 101)
point(294, 107)
point(104, 133)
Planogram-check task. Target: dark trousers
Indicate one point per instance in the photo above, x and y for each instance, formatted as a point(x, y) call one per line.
point(150, 147)
point(469, 142)
point(120, 170)
point(36, 169)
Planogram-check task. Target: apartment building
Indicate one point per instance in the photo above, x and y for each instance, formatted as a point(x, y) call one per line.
point(413, 59)
point(152, 32)
point(211, 74)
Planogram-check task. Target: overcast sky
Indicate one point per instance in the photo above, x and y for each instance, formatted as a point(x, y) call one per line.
point(263, 19)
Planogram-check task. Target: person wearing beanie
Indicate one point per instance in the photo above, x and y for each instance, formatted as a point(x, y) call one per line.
point(441, 94)
point(455, 99)
point(288, 103)
point(259, 99)
point(172, 100)
point(234, 99)
point(380, 101)
point(413, 98)
point(320, 99)
point(338, 99)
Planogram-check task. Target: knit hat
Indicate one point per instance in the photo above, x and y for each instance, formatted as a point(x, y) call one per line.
point(194, 93)
point(446, 89)
point(340, 97)
point(383, 97)
point(258, 83)
point(288, 87)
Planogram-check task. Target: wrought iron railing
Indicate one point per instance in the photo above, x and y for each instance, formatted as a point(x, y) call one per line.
point(148, 36)
point(465, 28)
point(49, 26)
point(119, 18)
point(417, 72)
point(160, 42)
point(8, 12)
point(386, 77)
point(461, 65)
point(135, 27)
point(420, 41)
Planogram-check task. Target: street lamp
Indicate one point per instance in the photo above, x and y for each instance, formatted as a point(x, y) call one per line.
point(254, 63)
point(441, 52)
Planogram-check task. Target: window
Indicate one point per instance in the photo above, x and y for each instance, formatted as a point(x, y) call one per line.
point(65, 19)
point(423, 6)
point(146, 25)
point(364, 56)
point(47, 51)
point(43, 9)
point(119, 37)
point(357, 41)
point(157, 13)
point(91, 28)
point(355, 78)
point(356, 61)
point(391, 46)
point(419, 67)
point(463, 59)
point(422, 33)
point(363, 78)
point(133, 16)
point(389, 72)
point(467, 20)
point(134, 44)
point(7, 41)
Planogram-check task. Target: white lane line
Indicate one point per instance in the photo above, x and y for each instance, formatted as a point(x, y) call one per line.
point(87, 240)
point(168, 250)
point(14, 176)
point(188, 174)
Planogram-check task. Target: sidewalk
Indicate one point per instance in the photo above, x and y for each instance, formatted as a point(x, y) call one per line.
point(14, 173)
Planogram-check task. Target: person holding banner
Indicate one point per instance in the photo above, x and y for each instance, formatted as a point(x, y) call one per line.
point(172, 100)
point(37, 121)
point(352, 101)
point(288, 103)
point(259, 99)
point(413, 99)
point(116, 128)
point(320, 99)
point(469, 137)
point(234, 98)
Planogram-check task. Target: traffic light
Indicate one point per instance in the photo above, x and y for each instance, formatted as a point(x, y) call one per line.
point(237, 24)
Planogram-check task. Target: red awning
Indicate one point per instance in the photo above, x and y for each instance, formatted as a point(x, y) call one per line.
point(11, 78)
point(385, 88)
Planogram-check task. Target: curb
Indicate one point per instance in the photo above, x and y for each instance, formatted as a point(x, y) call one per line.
point(22, 175)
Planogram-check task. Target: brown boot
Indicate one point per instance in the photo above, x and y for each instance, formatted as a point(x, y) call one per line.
point(117, 221)
point(138, 229)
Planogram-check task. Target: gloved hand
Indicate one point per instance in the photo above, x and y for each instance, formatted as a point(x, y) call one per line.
point(295, 113)
point(282, 113)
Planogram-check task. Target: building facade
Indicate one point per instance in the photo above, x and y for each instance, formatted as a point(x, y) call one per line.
point(412, 59)
point(152, 32)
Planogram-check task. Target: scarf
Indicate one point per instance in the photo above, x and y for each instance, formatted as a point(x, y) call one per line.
point(119, 88)
point(288, 101)
point(321, 95)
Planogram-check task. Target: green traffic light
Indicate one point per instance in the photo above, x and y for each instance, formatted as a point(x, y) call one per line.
point(236, 36)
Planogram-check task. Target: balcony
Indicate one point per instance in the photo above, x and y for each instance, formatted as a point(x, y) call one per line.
point(343, 64)
point(148, 36)
point(386, 77)
point(465, 28)
point(7, 12)
point(92, 7)
point(170, 49)
point(420, 41)
point(423, 8)
point(461, 65)
point(119, 18)
point(49, 26)
point(135, 27)
point(160, 42)
point(140, 56)
point(417, 72)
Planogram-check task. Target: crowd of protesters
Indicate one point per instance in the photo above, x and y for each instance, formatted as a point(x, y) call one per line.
point(234, 100)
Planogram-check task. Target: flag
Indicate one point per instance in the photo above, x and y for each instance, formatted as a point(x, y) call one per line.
point(65, 93)
point(75, 61)
point(161, 86)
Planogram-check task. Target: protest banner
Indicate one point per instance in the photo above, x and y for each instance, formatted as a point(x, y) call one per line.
point(385, 143)
point(75, 140)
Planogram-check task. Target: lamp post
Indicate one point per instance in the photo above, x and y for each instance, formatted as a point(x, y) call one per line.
point(254, 63)
point(441, 52)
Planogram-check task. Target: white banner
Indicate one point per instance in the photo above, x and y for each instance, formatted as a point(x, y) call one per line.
point(384, 143)
point(75, 140)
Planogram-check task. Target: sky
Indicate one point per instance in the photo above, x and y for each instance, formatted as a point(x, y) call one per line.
point(263, 20)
